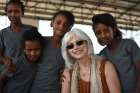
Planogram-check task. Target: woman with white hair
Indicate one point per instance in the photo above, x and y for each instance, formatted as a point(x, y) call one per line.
point(84, 71)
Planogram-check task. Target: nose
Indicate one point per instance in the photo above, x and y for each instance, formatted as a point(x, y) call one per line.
point(62, 26)
point(12, 13)
point(33, 53)
point(75, 46)
point(102, 35)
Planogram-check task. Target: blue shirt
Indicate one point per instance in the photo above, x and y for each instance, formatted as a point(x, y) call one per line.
point(124, 60)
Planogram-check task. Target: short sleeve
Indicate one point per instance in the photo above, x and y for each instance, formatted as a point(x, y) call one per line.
point(135, 51)
point(1, 40)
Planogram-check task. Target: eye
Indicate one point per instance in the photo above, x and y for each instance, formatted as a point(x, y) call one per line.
point(80, 42)
point(70, 46)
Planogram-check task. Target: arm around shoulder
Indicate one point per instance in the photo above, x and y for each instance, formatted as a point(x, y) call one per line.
point(112, 79)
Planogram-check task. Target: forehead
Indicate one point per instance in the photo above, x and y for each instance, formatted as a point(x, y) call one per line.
point(61, 17)
point(73, 38)
point(13, 5)
point(32, 43)
point(101, 25)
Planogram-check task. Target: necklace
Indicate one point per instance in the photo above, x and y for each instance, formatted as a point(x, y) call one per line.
point(84, 84)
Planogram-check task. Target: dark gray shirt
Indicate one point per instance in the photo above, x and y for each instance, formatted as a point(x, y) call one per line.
point(10, 42)
point(124, 60)
point(22, 80)
point(48, 75)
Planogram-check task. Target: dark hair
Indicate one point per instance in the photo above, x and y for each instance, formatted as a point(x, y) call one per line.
point(67, 14)
point(16, 2)
point(108, 20)
point(31, 35)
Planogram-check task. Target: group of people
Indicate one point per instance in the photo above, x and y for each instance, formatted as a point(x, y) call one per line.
point(65, 62)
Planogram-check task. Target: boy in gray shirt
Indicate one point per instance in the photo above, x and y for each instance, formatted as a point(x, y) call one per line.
point(25, 65)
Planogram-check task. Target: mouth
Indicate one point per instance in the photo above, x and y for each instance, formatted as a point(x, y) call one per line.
point(12, 18)
point(59, 33)
point(77, 52)
point(103, 42)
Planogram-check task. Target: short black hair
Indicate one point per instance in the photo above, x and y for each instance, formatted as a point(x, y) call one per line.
point(31, 35)
point(16, 2)
point(70, 17)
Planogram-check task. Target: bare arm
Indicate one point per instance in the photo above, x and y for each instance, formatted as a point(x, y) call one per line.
point(66, 81)
point(112, 78)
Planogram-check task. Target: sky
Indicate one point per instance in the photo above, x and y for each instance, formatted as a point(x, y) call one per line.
point(46, 30)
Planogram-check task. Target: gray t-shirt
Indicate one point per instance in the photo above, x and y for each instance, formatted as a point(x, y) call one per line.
point(10, 42)
point(22, 80)
point(124, 60)
point(48, 75)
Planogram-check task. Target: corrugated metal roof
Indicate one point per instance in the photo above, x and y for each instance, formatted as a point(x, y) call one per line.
point(126, 12)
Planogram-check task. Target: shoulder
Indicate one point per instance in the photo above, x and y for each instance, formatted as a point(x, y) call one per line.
point(5, 29)
point(103, 51)
point(130, 45)
point(25, 26)
point(128, 41)
point(108, 66)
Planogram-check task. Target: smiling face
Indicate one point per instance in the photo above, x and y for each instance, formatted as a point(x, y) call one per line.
point(14, 13)
point(32, 50)
point(77, 48)
point(60, 25)
point(104, 34)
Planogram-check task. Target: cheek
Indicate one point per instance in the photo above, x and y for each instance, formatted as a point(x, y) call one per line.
point(70, 52)
point(111, 34)
point(38, 54)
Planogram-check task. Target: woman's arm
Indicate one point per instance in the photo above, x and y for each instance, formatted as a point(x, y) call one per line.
point(112, 78)
point(66, 79)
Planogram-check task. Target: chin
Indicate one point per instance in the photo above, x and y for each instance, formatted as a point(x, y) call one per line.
point(79, 57)
point(33, 60)
point(103, 43)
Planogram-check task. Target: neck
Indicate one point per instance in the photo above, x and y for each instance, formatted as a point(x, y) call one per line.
point(85, 69)
point(84, 62)
point(16, 27)
point(56, 41)
point(114, 45)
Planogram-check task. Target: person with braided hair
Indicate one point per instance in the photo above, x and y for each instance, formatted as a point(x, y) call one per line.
point(123, 53)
